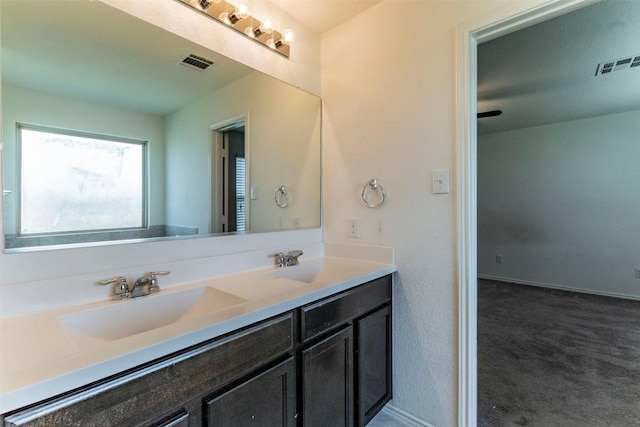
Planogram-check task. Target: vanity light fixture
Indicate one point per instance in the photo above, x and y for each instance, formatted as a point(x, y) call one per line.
point(238, 17)
point(240, 12)
point(204, 4)
point(265, 27)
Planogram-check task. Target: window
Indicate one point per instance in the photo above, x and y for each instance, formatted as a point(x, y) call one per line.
point(241, 207)
point(72, 182)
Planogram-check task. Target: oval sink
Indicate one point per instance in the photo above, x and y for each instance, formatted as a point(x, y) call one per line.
point(133, 316)
point(301, 273)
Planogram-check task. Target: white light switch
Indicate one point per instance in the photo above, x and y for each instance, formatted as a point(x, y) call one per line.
point(441, 181)
point(254, 192)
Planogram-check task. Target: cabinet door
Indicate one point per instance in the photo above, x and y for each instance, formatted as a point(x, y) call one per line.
point(327, 381)
point(373, 356)
point(267, 400)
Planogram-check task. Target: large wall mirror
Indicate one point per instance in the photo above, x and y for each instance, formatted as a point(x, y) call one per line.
point(114, 129)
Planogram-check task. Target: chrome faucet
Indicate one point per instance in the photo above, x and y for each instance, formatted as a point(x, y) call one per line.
point(120, 287)
point(144, 285)
point(147, 284)
point(288, 259)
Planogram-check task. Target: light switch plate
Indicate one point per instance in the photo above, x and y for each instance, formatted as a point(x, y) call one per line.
point(441, 181)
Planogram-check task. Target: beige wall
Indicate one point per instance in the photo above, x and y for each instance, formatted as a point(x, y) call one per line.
point(283, 134)
point(388, 88)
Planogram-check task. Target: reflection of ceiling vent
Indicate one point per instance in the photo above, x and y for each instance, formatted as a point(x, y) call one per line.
point(618, 64)
point(195, 62)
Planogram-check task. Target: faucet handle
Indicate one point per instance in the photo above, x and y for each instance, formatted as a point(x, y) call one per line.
point(120, 289)
point(153, 281)
point(279, 259)
point(158, 273)
point(292, 257)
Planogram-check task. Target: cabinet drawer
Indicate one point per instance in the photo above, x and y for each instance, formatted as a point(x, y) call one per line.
point(143, 394)
point(336, 310)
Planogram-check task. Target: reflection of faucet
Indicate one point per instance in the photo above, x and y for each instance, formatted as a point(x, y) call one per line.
point(291, 258)
point(144, 285)
point(147, 284)
point(279, 259)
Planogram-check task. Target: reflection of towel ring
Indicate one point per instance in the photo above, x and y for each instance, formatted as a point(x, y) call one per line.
point(281, 197)
point(375, 187)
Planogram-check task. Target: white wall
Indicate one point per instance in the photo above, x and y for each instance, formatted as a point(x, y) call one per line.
point(49, 110)
point(283, 133)
point(388, 89)
point(561, 204)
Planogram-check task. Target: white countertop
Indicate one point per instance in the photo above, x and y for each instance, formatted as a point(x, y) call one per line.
point(39, 358)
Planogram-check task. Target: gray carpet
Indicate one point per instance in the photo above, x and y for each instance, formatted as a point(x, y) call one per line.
point(555, 358)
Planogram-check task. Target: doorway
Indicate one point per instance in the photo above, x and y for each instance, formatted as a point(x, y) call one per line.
point(468, 38)
point(230, 211)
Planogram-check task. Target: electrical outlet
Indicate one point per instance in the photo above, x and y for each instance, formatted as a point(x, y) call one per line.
point(498, 259)
point(353, 229)
point(637, 272)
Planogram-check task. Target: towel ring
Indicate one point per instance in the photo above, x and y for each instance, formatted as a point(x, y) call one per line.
point(280, 197)
point(373, 184)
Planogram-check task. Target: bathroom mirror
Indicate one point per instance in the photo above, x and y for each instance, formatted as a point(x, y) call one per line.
point(86, 70)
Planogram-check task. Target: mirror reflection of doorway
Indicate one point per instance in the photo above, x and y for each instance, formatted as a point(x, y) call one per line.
point(234, 207)
point(229, 207)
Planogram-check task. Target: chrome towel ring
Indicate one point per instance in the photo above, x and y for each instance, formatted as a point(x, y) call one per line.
point(280, 197)
point(374, 187)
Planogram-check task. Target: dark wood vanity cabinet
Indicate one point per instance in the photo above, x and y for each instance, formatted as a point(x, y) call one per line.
point(327, 381)
point(324, 364)
point(346, 356)
point(268, 399)
point(170, 391)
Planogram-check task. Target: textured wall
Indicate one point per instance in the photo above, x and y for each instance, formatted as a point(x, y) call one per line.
point(388, 88)
point(561, 204)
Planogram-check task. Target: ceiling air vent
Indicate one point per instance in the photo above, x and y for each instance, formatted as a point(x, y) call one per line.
point(195, 62)
point(617, 65)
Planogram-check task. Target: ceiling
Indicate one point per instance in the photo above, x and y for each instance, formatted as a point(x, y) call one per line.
point(546, 73)
point(322, 15)
point(91, 51)
point(539, 75)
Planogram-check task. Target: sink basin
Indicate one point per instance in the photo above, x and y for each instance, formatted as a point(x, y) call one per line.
point(301, 273)
point(133, 316)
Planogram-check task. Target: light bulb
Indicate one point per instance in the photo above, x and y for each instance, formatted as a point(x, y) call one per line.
point(287, 35)
point(265, 27)
point(243, 11)
point(267, 24)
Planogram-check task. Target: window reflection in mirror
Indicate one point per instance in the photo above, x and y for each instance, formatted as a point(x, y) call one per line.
point(92, 69)
point(72, 183)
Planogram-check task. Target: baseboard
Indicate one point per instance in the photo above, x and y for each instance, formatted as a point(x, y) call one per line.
point(404, 418)
point(559, 287)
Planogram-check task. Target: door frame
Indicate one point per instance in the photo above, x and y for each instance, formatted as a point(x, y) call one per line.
point(216, 192)
point(468, 37)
